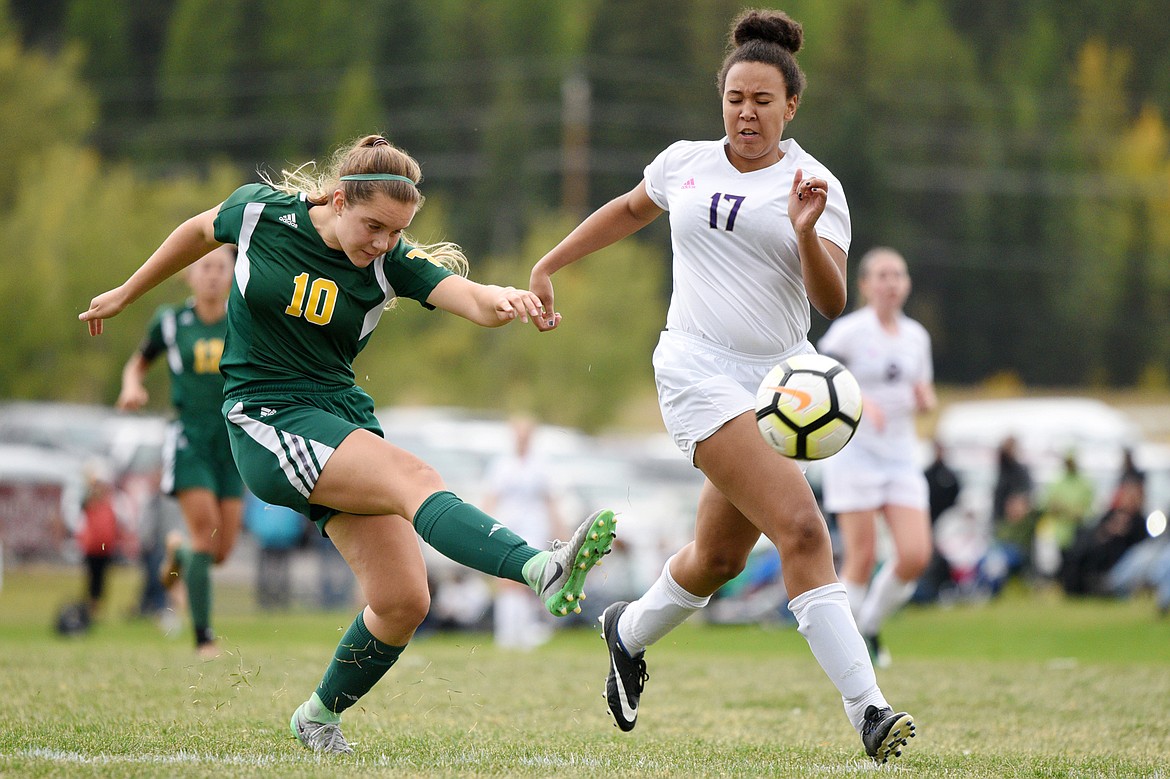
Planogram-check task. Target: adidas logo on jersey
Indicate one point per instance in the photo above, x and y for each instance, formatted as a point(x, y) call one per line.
point(689, 184)
point(289, 219)
point(267, 412)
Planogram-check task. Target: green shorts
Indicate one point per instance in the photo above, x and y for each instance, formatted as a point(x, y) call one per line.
point(199, 461)
point(281, 441)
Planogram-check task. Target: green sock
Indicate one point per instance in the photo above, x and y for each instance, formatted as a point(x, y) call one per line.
point(197, 575)
point(358, 663)
point(468, 536)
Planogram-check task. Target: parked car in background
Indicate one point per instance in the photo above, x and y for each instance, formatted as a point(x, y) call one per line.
point(41, 490)
point(44, 450)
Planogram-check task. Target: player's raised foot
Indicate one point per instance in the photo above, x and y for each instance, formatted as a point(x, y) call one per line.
point(627, 675)
point(171, 569)
point(318, 736)
point(884, 733)
point(558, 576)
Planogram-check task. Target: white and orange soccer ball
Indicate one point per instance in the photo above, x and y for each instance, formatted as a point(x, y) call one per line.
point(808, 407)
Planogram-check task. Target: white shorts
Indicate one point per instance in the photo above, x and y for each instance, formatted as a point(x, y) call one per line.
point(702, 386)
point(856, 479)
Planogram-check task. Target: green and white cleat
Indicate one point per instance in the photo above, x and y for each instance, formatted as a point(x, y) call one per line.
point(318, 736)
point(558, 576)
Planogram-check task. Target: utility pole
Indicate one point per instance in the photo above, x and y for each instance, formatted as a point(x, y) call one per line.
point(576, 97)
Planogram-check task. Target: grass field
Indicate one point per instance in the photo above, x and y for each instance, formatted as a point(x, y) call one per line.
point(1031, 686)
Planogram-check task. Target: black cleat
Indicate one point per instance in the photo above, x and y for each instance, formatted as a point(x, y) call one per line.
point(627, 675)
point(884, 733)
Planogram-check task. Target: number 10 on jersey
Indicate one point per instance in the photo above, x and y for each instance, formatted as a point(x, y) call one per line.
point(322, 297)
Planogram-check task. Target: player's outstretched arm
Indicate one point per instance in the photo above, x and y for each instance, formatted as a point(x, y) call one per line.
point(189, 241)
point(622, 216)
point(486, 305)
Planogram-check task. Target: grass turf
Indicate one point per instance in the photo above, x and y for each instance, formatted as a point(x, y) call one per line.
point(1026, 686)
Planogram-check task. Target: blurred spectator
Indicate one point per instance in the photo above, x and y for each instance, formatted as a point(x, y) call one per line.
point(943, 485)
point(1010, 551)
point(1063, 511)
point(100, 537)
point(521, 495)
point(1129, 473)
point(336, 579)
point(1097, 549)
point(461, 601)
point(1013, 480)
point(159, 516)
point(1145, 564)
point(278, 531)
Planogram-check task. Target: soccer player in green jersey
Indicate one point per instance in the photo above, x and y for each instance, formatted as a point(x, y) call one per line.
point(198, 468)
point(320, 257)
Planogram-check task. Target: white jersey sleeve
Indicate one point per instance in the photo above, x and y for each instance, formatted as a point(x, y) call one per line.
point(736, 268)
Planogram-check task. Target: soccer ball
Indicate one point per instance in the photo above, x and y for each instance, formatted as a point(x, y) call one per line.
point(808, 407)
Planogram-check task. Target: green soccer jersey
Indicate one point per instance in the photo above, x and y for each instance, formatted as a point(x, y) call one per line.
point(193, 350)
point(300, 311)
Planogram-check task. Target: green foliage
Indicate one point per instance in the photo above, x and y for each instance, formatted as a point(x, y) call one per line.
point(1016, 154)
point(579, 374)
point(93, 225)
point(44, 106)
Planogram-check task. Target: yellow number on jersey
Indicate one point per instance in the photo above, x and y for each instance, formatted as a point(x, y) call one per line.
point(419, 254)
point(322, 299)
point(207, 352)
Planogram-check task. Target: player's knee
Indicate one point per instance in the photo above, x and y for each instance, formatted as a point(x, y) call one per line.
point(804, 533)
point(723, 565)
point(911, 563)
point(404, 606)
point(425, 479)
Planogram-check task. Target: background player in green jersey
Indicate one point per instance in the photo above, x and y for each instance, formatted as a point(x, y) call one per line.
point(320, 257)
point(198, 468)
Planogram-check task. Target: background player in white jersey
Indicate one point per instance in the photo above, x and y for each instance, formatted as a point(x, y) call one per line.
point(759, 229)
point(880, 472)
point(520, 494)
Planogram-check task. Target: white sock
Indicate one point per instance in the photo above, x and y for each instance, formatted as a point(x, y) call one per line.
point(823, 618)
point(856, 593)
point(887, 594)
point(660, 610)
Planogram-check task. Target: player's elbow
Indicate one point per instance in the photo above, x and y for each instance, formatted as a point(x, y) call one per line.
point(830, 306)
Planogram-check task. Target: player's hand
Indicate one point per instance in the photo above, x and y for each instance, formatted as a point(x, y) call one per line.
point(541, 285)
point(873, 412)
point(924, 398)
point(806, 201)
point(103, 307)
point(515, 303)
point(132, 398)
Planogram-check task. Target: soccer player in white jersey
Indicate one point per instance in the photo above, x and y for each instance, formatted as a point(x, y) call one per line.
point(879, 472)
point(759, 229)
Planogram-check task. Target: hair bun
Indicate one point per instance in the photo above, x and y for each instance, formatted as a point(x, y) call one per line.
point(772, 26)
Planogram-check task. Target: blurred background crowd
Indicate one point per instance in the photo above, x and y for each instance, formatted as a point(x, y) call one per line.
point(1054, 493)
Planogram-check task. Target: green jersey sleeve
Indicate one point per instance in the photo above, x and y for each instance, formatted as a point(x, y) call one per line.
point(413, 273)
point(229, 221)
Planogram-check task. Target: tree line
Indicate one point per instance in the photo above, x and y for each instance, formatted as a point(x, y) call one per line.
point(1017, 154)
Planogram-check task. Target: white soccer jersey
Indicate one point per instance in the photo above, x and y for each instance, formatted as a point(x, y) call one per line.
point(737, 278)
point(887, 366)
